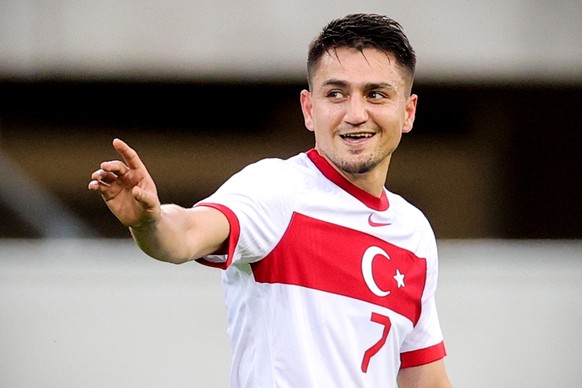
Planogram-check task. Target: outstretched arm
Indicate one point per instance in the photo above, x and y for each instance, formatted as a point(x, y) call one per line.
point(166, 232)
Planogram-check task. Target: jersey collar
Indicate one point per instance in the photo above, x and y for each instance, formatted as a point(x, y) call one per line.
point(373, 202)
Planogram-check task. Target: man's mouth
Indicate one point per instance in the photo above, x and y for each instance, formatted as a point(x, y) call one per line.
point(356, 136)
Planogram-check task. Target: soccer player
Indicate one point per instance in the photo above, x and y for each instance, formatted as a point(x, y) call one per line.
point(329, 277)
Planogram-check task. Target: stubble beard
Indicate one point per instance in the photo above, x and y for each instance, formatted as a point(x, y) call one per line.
point(357, 166)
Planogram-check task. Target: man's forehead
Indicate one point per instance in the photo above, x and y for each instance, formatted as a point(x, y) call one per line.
point(348, 65)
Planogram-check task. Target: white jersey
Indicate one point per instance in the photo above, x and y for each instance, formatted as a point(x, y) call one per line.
point(325, 284)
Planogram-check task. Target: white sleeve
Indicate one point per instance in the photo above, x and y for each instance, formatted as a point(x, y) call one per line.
point(261, 197)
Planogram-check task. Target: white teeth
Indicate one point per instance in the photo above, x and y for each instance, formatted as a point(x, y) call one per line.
point(357, 135)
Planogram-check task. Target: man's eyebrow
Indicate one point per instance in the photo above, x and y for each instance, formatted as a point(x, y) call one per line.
point(368, 86)
point(335, 82)
point(380, 85)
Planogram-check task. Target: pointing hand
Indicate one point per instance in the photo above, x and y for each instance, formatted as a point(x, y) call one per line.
point(127, 188)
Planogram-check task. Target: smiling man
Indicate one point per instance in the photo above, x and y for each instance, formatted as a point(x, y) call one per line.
point(329, 277)
point(358, 107)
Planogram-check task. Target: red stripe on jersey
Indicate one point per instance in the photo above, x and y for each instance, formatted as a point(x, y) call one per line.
point(343, 261)
point(423, 356)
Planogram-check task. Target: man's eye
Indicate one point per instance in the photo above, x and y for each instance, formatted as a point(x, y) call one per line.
point(376, 95)
point(335, 94)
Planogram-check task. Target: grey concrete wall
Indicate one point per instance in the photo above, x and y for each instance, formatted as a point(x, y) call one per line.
point(99, 313)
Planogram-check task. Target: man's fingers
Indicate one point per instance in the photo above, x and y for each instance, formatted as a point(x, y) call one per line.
point(103, 188)
point(93, 185)
point(104, 176)
point(129, 155)
point(116, 167)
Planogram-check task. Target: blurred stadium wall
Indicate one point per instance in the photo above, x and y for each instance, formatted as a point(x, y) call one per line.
point(494, 152)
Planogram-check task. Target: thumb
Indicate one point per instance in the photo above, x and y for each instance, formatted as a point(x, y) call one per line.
point(148, 200)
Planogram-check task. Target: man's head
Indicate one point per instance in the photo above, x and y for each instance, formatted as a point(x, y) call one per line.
point(360, 31)
point(359, 102)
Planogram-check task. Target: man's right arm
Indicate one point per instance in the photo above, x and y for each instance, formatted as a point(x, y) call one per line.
point(166, 232)
point(183, 234)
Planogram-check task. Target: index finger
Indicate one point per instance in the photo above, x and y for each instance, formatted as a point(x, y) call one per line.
point(129, 154)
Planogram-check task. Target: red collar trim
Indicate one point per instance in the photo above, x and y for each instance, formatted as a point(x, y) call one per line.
point(379, 204)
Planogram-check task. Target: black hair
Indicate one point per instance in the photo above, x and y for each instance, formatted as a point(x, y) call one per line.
point(360, 31)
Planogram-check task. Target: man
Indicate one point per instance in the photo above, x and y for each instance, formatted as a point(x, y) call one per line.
point(329, 278)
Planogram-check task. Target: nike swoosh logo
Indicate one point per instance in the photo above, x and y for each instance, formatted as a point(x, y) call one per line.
point(376, 224)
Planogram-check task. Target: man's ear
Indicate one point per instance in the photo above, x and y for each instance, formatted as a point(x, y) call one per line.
point(410, 113)
point(306, 108)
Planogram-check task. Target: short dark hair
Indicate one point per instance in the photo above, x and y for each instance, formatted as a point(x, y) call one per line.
point(360, 31)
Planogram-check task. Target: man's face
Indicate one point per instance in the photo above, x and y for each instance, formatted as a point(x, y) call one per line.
point(358, 108)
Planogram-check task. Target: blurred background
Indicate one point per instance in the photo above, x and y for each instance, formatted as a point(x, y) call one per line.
point(202, 88)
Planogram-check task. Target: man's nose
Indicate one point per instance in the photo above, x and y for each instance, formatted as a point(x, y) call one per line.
point(356, 111)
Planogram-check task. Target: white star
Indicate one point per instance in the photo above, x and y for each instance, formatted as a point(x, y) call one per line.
point(399, 278)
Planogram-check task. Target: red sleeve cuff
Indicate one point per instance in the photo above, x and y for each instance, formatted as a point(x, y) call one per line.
point(232, 238)
point(423, 356)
